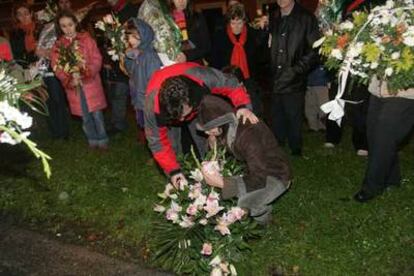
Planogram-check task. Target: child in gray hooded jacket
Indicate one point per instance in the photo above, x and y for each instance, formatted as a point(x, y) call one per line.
point(141, 61)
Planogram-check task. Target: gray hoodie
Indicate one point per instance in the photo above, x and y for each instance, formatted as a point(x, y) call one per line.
point(141, 63)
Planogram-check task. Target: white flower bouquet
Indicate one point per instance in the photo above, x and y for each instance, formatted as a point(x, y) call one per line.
point(379, 44)
point(197, 231)
point(15, 124)
point(115, 33)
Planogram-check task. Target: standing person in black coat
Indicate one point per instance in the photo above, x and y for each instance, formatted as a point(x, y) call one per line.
point(293, 32)
point(116, 82)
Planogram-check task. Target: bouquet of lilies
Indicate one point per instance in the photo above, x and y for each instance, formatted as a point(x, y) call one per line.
point(114, 32)
point(377, 44)
point(70, 59)
point(197, 231)
point(15, 124)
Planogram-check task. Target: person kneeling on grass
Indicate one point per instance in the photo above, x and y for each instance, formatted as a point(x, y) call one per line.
point(268, 173)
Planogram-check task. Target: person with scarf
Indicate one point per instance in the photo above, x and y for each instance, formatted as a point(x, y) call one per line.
point(195, 44)
point(238, 46)
point(23, 38)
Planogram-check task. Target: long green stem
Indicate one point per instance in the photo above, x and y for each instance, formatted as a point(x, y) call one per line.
point(195, 157)
point(33, 148)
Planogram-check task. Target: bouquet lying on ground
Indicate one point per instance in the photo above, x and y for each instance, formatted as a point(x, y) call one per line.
point(115, 33)
point(15, 124)
point(198, 232)
point(376, 44)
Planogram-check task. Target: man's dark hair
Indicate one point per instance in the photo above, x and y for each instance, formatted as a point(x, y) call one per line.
point(173, 94)
point(177, 91)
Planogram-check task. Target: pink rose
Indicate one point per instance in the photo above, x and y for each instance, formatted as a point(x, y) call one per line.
point(192, 210)
point(207, 249)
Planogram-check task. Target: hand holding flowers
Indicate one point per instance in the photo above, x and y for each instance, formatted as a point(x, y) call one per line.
point(115, 34)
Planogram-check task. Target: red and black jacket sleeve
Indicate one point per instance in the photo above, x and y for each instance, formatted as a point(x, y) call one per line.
point(157, 133)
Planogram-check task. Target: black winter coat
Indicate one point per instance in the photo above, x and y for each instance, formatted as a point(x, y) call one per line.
point(292, 55)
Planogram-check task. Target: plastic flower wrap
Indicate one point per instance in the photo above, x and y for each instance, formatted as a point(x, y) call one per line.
point(70, 59)
point(379, 44)
point(197, 231)
point(115, 33)
point(48, 13)
point(167, 35)
point(15, 124)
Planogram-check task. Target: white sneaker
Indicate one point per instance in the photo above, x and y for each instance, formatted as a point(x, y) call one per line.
point(329, 145)
point(362, 152)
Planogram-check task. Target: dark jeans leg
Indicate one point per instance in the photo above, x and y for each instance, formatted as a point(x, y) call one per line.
point(58, 119)
point(279, 121)
point(389, 121)
point(118, 97)
point(294, 105)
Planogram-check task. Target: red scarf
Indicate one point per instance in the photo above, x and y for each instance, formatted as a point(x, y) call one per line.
point(238, 56)
point(5, 51)
point(29, 37)
point(354, 5)
point(119, 6)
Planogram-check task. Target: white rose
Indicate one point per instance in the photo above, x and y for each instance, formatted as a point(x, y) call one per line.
point(389, 71)
point(389, 4)
point(374, 65)
point(395, 55)
point(347, 25)
point(336, 53)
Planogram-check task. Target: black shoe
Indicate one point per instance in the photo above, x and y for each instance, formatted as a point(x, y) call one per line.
point(363, 196)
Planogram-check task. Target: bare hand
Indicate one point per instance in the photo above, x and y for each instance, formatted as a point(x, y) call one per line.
point(246, 114)
point(181, 58)
point(176, 178)
point(213, 178)
point(263, 22)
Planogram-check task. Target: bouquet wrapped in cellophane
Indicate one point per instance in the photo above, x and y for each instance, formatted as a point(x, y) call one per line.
point(115, 33)
point(376, 44)
point(70, 59)
point(198, 232)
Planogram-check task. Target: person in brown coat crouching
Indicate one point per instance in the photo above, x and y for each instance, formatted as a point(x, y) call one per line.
point(268, 173)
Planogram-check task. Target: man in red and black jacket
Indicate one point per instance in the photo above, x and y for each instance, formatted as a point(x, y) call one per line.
point(173, 95)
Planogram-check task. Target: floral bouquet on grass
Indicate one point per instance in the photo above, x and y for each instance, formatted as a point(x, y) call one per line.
point(198, 232)
point(70, 59)
point(379, 44)
point(115, 33)
point(14, 123)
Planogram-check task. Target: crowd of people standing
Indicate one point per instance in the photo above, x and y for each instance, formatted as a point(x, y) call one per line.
point(168, 91)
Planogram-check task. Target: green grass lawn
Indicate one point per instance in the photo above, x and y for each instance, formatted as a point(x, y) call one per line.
point(105, 200)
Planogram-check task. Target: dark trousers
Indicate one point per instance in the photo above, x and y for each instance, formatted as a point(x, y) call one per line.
point(390, 120)
point(287, 119)
point(118, 92)
point(58, 119)
point(356, 116)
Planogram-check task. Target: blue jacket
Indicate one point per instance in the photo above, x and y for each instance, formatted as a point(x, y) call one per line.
point(141, 63)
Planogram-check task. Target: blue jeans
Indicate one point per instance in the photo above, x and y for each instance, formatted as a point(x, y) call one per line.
point(93, 124)
point(118, 97)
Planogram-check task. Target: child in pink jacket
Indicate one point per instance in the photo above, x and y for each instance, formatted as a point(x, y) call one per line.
point(84, 90)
